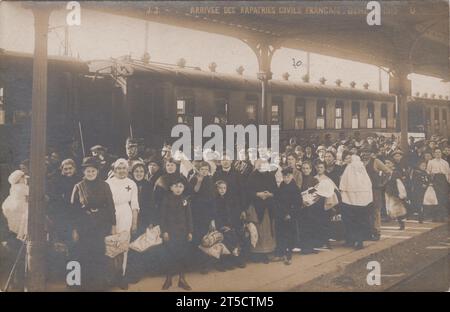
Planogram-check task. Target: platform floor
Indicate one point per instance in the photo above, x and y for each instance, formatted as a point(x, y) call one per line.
point(400, 253)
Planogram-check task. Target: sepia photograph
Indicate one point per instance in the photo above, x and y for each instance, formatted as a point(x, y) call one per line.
point(224, 146)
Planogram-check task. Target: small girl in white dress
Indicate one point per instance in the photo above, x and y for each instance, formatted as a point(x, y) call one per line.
point(15, 206)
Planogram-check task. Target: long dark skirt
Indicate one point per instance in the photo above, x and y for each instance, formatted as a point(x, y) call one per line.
point(441, 187)
point(91, 252)
point(356, 222)
point(314, 226)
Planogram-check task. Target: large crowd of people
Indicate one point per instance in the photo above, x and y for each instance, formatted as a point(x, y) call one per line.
point(261, 207)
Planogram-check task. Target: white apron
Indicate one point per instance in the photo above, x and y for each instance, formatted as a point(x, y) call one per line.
point(125, 196)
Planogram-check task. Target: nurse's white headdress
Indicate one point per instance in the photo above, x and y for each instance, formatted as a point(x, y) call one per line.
point(120, 162)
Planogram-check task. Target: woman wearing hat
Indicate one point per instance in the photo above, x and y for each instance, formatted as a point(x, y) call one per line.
point(126, 203)
point(94, 220)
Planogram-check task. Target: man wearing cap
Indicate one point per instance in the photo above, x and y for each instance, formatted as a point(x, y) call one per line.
point(131, 147)
point(375, 169)
point(100, 153)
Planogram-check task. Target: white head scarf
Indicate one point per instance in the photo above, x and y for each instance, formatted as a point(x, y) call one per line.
point(355, 185)
point(15, 177)
point(120, 161)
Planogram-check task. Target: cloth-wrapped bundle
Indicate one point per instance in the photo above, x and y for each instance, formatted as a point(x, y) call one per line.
point(117, 244)
point(212, 238)
point(151, 237)
point(252, 232)
point(216, 250)
point(430, 198)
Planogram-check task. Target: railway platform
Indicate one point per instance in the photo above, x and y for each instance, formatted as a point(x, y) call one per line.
point(400, 254)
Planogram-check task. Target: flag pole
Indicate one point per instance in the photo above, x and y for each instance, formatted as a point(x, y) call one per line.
point(81, 137)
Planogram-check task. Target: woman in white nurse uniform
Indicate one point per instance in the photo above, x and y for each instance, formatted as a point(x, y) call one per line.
point(125, 196)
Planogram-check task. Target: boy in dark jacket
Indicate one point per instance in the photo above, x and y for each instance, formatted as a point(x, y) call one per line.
point(289, 203)
point(420, 183)
point(176, 229)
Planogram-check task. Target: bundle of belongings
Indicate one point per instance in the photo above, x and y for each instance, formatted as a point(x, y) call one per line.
point(212, 245)
point(151, 238)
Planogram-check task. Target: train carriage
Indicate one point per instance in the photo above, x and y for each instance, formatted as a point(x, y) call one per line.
point(158, 96)
point(111, 99)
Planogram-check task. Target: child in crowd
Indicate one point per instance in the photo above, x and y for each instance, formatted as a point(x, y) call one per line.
point(228, 220)
point(289, 199)
point(420, 183)
point(177, 228)
point(395, 195)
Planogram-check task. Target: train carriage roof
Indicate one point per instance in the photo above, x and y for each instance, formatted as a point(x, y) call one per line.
point(8, 58)
point(196, 77)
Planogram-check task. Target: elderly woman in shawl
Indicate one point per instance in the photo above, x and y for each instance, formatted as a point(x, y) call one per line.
point(356, 192)
point(261, 190)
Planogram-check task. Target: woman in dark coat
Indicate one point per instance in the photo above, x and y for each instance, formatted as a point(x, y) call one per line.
point(95, 219)
point(261, 190)
point(202, 201)
point(308, 222)
point(146, 219)
point(61, 212)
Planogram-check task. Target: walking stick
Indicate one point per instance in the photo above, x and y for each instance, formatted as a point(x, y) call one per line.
point(81, 137)
point(13, 269)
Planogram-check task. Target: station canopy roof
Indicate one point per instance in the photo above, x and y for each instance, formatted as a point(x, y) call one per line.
point(415, 33)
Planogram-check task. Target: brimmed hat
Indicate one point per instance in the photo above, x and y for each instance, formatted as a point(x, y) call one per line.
point(98, 148)
point(90, 162)
point(156, 160)
point(399, 152)
point(132, 142)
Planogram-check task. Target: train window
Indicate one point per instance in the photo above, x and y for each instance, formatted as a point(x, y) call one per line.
point(436, 115)
point(221, 105)
point(300, 113)
point(2, 108)
point(428, 116)
point(321, 113)
point(355, 115)
point(276, 114)
point(185, 110)
point(251, 112)
point(339, 119)
point(21, 116)
point(251, 107)
point(384, 114)
point(370, 115)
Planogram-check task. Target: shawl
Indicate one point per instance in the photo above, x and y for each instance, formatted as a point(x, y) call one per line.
point(355, 185)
